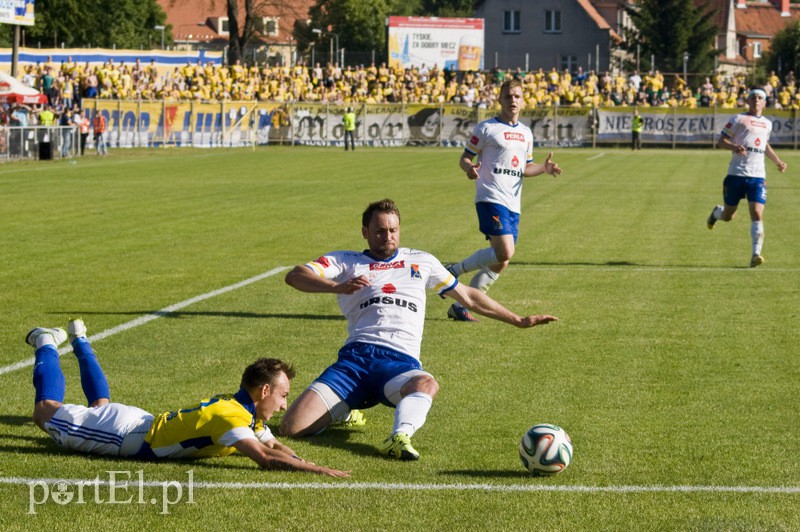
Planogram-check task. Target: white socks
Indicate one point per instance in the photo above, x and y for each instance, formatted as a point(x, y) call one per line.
point(411, 412)
point(484, 279)
point(478, 260)
point(757, 235)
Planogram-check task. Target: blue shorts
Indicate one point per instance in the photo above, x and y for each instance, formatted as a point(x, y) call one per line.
point(496, 220)
point(735, 188)
point(362, 370)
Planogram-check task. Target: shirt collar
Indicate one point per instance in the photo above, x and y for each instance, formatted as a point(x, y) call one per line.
point(244, 399)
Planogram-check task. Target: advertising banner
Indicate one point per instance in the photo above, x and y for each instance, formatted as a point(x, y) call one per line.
point(448, 43)
point(19, 12)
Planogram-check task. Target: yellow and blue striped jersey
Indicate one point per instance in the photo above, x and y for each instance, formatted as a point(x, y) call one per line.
point(208, 429)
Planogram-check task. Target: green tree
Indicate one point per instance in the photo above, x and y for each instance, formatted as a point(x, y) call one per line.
point(784, 51)
point(668, 29)
point(103, 23)
point(359, 24)
point(445, 8)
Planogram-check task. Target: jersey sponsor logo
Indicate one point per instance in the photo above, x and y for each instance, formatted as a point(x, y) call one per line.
point(758, 142)
point(388, 289)
point(729, 125)
point(387, 265)
point(756, 123)
point(388, 300)
point(415, 274)
point(474, 140)
point(515, 161)
point(507, 171)
point(323, 261)
point(755, 150)
point(513, 135)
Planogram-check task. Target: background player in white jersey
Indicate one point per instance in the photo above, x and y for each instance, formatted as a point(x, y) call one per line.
point(217, 426)
point(747, 136)
point(504, 147)
point(381, 292)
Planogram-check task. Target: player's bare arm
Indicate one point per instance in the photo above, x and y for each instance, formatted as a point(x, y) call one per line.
point(547, 167)
point(477, 301)
point(772, 156)
point(303, 279)
point(466, 165)
point(276, 460)
point(726, 144)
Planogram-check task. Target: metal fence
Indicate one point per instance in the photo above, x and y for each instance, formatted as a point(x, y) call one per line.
point(39, 142)
point(231, 124)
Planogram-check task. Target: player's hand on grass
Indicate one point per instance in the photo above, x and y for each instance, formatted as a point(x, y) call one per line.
point(533, 321)
point(328, 472)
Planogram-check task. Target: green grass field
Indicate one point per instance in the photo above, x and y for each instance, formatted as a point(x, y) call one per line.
point(674, 367)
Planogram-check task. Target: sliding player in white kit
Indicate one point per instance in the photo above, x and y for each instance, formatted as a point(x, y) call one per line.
point(747, 136)
point(504, 147)
point(381, 292)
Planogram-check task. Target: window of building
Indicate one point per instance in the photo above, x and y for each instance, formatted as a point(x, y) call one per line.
point(569, 63)
point(270, 26)
point(511, 22)
point(552, 21)
point(756, 50)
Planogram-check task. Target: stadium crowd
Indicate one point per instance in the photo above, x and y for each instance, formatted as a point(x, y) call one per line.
point(68, 82)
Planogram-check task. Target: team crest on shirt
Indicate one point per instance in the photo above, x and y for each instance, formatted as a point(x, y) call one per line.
point(415, 274)
point(758, 142)
point(323, 261)
point(515, 162)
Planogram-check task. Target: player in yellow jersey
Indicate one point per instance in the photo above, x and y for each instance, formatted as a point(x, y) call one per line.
point(217, 426)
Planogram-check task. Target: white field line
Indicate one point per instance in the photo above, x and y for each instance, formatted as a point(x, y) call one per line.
point(150, 317)
point(646, 269)
point(344, 485)
point(596, 156)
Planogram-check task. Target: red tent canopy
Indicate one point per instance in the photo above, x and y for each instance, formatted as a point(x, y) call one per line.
point(14, 91)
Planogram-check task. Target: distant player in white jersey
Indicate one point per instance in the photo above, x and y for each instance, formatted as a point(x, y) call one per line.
point(381, 292)
point(504, 147)
point(747, 136)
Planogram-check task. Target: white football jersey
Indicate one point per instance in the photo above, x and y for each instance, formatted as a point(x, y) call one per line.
point(391, 311)
point(753, 133)
point(503, 151)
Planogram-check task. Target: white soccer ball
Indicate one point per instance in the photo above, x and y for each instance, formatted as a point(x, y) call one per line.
point(545, 450)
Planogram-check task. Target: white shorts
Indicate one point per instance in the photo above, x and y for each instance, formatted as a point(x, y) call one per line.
point(113, 429)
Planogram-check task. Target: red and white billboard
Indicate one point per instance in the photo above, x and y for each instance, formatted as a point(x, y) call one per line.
point(452, 43)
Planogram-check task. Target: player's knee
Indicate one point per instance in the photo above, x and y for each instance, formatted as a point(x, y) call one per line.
point(504, 254)
point(423, 383)
point(44, 411)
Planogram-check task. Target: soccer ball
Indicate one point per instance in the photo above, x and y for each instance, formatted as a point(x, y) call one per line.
point(545, 450)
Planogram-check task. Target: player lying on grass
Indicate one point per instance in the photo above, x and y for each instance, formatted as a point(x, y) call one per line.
point(381, 291)
point(217, 426)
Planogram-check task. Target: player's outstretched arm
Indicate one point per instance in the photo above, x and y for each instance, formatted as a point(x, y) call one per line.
point(272, 459)
point(477, 301)
point(547, 167)
point(302, 278)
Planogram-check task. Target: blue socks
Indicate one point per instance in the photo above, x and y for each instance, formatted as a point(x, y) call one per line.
point(47, 376)
point(93, 380)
